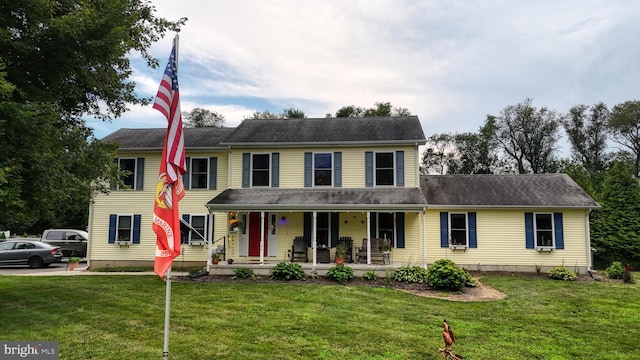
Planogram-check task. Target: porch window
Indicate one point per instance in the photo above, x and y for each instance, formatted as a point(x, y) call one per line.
point(386, 226)
point(199, 173)
point(384, 168)
point(260, 170)
point(322, 169)
point(544, 230)
point(322, 229)
point(458, 223)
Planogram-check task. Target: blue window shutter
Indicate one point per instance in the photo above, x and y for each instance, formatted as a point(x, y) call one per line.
point(400, 229)
point(307, 227)
point(473, 236)
point(213, 173)
point(335, 225)
point(307, 169)
point(400, 168)
point(246, 168)
point(444, 229)
point(113, 219)
point(528, 230)
point(275, 170)
point(374, 220)
point(140, 174)
point(557, 223)
point(136, 229)
point(186, 177)
point(337, 169)
point(368, 169)
point(184, 235)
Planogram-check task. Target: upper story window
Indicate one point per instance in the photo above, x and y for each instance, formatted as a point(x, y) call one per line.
point(544, 230)
point(199, 173)
point(128, 166)
point(260, 169)
point(322, 169)
point(384, 168)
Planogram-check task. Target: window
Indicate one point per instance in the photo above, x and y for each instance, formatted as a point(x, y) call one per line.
point(125, 228)
point(386, 226)
point(384, 168)
point(322, 229)
point(198, 223)
point(199, 173)
point(128, 168)
point(544, 230)
point(322, 167)
point(458, 230)
point(260, 170)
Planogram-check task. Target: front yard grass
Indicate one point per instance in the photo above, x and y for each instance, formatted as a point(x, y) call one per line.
point(122, 317)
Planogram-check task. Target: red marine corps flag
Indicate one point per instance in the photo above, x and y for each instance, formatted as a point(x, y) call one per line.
point(169, 189)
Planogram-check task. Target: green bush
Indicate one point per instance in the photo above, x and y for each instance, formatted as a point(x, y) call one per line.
point(562, 273)
point(287, 271)
point(444, 274)
point(410, 274)
point(370, 275)
point(615, 270)
point(243, 273)
point(340, 274)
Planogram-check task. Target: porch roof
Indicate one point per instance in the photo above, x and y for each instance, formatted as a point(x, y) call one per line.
point(359, 199)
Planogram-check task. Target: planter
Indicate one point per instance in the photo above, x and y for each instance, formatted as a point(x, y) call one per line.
point(215, 261)
point(339, 260)
point(72, 265)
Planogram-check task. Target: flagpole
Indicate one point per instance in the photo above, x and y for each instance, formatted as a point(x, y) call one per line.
point(167, 306)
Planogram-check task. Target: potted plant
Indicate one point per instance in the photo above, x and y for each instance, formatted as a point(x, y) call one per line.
point(215, 259)
point(341, 251)
point(234, 224)
point(385, 248)
point(73, 262)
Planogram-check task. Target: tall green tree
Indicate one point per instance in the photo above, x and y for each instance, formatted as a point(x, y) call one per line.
point(199, 117)
point(64, 60)
point(289, 113)
point(438, 155)
point(529, 136)
point(588, 133)
point(379, 109)
point(625, 127)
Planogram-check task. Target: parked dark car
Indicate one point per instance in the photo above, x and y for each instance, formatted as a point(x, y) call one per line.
point(34, 253)
point(72, 242)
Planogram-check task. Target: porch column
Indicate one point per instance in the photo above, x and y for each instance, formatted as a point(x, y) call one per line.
point(314, 228)
point(368, 238)
point(261, 237)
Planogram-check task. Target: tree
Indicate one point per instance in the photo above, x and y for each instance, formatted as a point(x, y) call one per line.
point(625, 127)
point(289, 113)
point(438, 154)
point(528, 136)
point(588, 134)
point(64, 60)
point(199, 117)
point(476, 152)
point(379, 109)
point(292, 113)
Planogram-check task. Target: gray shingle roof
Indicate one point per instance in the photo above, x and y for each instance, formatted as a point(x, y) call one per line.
point(318, 199)
point(540, 190)
point(153, 139)
point(328, 131)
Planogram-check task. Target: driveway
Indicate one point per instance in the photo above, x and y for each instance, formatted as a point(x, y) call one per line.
point(53, 269)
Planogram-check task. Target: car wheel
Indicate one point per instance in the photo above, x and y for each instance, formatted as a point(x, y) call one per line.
point(36, 262)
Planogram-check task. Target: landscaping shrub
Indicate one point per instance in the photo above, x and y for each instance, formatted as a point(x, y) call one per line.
point(287, 271)
point(340, 274)
point(243, 273)
point(615, 270)
point(562, 273)
point(444, 274)
point(410, 274)
point(370, 275)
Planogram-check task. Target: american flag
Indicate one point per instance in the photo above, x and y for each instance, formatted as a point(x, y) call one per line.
point(168, 103)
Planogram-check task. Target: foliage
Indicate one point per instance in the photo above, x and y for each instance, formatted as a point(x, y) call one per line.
point(370, 275)
point(625, 128)
point(588, 134)
point(615, 270)
point(199, 117)
point(411, 274)
point(341, 249)
point(562, 273)
point(243, 273)
point(215, 256)
point(379, 109)
point(444, 274)
point(289, 113)
point(287, 271)
point(340, 274)
point(74, 259)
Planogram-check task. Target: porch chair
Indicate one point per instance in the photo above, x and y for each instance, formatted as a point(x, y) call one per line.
point(348, 242)
point(299, 249)
point(361, 254)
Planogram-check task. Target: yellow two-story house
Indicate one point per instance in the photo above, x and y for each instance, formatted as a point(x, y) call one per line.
point(294, 190)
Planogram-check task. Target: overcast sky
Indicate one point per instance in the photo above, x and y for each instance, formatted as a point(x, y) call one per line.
point(449, 62)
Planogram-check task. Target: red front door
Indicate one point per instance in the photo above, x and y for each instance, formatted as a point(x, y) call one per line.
point(254, 234)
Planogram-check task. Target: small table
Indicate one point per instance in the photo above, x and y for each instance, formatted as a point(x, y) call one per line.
point(323, 255)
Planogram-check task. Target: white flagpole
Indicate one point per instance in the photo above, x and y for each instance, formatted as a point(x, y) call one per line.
point(167, 306)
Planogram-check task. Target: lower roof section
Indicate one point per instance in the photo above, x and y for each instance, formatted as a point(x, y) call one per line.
point(374, 199)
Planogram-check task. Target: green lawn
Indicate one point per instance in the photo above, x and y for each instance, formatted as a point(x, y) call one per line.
point(122, 317)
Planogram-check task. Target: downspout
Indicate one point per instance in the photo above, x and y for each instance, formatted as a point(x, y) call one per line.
point(424, 237)
point(587, 237)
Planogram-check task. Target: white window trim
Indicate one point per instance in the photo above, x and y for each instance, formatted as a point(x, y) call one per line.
point(269, 171)
point(135, 173)
point(535, 232)
point(206, 159)
point(120, 242)
point(205, 232)
point(375, 167)
point(466, 232)
point(313, 168)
